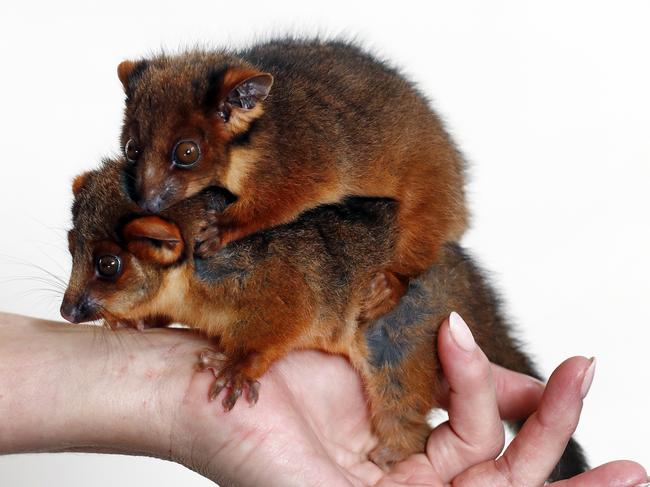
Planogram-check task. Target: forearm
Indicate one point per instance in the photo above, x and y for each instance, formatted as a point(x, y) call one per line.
point(58, 387)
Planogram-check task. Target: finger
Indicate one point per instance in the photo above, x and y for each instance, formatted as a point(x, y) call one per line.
point(518, 395)
point(615, 474)
point(535, 451)
point(474, 432)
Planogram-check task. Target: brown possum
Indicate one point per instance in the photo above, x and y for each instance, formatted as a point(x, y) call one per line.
point(289, 125)
point(299, 285)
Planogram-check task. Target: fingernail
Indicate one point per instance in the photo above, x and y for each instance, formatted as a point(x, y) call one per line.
point(460, 332)
point(588, 378)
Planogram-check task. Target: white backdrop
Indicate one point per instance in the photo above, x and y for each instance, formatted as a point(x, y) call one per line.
point(548, 100)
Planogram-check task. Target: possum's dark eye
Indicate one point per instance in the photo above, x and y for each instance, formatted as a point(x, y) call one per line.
point(186, 153)
point(108, 265)
point(131, 151)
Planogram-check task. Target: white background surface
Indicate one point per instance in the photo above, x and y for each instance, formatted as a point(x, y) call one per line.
point(549, 101)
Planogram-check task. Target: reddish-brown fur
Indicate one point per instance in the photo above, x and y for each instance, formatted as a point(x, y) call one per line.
point(336, 123)
point(300, 285)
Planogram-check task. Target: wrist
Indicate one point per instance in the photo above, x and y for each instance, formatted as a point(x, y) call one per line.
point(85, 388)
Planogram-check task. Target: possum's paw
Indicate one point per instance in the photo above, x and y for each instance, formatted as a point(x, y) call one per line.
point(383, 456)
point(210, 236)
point(384, 292)
point(217, 231)
point(399, 434)
point(229, 376)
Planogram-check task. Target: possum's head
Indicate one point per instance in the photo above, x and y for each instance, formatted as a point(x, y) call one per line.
point(182, 115)
point(122, 260)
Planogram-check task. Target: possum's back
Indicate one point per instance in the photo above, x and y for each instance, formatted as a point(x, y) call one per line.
point(341, 102)
point(338, 60)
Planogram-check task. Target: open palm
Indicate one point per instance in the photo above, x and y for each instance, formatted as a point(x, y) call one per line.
point(311, 427)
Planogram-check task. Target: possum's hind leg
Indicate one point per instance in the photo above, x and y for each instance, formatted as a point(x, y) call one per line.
point(401, 429)
point(426, 220)
point(401, 375)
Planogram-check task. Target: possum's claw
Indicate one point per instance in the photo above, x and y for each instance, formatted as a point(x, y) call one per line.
point(211, 360)
point(228, 376)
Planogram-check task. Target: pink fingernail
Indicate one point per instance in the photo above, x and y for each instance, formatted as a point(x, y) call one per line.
point(588, 378)
point(460, 332)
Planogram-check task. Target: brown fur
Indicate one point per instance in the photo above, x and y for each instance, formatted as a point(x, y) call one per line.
point(299, 285)
point(337, 123)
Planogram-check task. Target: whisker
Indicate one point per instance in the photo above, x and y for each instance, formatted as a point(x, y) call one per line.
point(53, 229)
point(46, 290)
point(49, 273)
point(44, 279)
point(53, 260)
point(39, 268)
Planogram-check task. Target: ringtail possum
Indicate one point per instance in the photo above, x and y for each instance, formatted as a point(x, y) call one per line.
point(294, 286)
point(289, 125)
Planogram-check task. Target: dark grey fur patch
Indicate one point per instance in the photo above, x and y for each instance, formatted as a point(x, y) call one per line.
point(388, 337)
point(209, 271)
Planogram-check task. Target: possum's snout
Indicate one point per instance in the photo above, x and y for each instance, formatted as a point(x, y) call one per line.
point(78, 310)
point(152, 203)
point(155, 195)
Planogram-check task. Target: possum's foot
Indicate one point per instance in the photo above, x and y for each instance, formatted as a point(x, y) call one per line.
point(400, 434)
point(229, 376)
point(384, 456)
point(217, 231)
point(384, 292)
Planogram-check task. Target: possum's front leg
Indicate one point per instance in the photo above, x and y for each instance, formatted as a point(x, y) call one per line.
point(267, 322)
point(238, 369)
point(266, 208)
point(237, 221)
point(218, 230)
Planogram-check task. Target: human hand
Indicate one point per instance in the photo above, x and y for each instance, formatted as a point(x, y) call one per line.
point(140, 394)
point(307, 432)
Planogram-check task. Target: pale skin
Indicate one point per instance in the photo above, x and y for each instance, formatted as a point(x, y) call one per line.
point(141, 394)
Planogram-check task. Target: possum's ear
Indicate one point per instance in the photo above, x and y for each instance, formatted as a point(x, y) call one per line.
point(128, 72)
point(240, 96)
point(154, 239)
point(79, 181)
